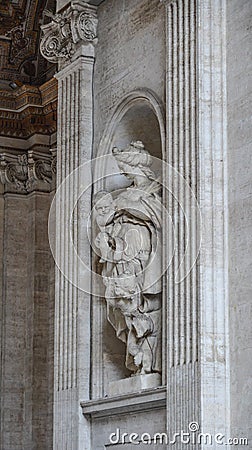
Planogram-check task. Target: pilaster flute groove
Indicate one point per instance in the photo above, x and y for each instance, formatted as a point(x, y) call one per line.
point(193, 179)
point(174, 7)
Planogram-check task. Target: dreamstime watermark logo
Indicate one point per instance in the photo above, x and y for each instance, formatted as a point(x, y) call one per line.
point(73, 211)
point(192, 436)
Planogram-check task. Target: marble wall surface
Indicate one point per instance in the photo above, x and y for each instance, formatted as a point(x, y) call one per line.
point(130, 54)
point(239, 96)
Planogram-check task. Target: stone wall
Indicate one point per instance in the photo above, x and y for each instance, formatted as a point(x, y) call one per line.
point(130, 54)
point(26, 332)
point(27, 133)
point(239, 96)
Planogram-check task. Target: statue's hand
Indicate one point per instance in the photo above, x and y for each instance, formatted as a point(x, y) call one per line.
point(101, 239)
point(104, 236)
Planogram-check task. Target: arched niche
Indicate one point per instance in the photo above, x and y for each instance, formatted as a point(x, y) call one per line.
point(139, 123)
point(139, 116)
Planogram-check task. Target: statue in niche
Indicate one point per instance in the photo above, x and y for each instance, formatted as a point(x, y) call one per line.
point(129, 241)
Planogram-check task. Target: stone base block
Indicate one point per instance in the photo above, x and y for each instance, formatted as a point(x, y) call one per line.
point(134, 384)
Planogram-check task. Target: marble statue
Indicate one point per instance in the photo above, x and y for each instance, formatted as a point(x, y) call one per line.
point(129, 243)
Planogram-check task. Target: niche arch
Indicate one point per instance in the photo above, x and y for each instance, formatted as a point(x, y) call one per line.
point(138, 116)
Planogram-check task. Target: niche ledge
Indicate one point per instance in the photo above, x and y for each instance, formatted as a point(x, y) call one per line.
point(140, 401)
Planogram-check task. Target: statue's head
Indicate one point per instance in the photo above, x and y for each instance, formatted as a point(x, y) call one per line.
point(134, 160)
point(104, 207)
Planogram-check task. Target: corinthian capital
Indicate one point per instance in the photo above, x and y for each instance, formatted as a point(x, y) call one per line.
point(75, 25)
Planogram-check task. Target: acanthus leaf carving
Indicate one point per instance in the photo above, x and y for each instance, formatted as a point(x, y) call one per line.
point(23, 171)
point(14, 172)
point(66, 30)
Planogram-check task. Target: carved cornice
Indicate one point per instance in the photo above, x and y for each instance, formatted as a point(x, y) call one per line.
point(24, 173)
point(74, 26)
point(29, 110)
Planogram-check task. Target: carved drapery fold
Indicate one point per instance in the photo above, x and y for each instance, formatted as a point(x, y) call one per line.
point(61, 37)
point(23, 171)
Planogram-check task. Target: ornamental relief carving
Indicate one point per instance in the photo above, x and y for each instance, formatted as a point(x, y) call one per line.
point(77, 24)
point(23, 171)
point(29, 110)
point(20, 42)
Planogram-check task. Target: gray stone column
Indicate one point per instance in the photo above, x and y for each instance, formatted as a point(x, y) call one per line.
point(75, 56)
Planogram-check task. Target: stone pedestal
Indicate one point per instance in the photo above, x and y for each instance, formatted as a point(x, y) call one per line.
point(136, 383)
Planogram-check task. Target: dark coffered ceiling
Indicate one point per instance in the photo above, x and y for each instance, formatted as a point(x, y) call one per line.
point(20, 59)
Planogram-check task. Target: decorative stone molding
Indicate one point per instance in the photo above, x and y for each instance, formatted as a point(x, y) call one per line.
point(23, 172)
point(29, 110)
point(20, 42)
point(136, 402)
point(75, 25)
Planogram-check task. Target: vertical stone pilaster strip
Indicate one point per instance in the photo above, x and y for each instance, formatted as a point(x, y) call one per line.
point(75, 56)
point(182, 319)
point(198, 389)
point(215, 376)
point(72, 320)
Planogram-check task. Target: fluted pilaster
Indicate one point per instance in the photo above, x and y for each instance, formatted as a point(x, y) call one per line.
point(75, 54)
point(182, 311)
point(72, 334)
point(198, 359)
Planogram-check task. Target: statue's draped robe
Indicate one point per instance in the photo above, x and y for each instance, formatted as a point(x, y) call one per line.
point(135, 266)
